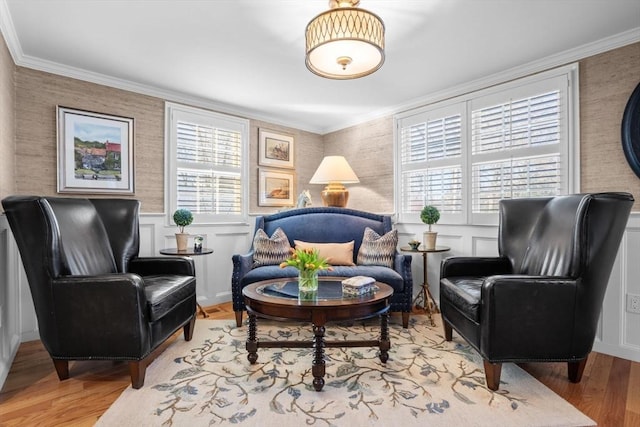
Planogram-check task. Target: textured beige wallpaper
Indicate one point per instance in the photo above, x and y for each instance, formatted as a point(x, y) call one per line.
point(7, 117)
point(38, 93)
point(369, 150)
point(606, 82)
point(307, 155)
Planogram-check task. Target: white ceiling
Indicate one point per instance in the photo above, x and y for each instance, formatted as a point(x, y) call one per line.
point(247, 56)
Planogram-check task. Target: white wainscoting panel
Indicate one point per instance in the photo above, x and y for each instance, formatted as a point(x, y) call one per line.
point(618, 333)
point(213, 271)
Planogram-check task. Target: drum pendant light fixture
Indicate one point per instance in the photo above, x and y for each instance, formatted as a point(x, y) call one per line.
point(345, 42)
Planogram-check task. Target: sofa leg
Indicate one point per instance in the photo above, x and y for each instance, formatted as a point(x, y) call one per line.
point(576, 369)
point(492, 374)
point(448, 330)
point(189, 327)
point(239, 318)
point(62, 368)
point(405, 319)
point(137, 369)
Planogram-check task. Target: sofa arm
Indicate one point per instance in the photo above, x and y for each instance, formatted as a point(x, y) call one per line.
point(98, 316)
point(242, 264)
point(474, 266)
point(180, 265)
point(402, 264)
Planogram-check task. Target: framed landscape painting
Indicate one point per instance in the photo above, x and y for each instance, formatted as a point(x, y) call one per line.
point(275, 149)
point(275, 188)
point(95, 152)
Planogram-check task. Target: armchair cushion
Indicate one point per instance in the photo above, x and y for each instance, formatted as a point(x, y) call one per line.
point(165, 291)
point(464, 293)
point(378, 250)
point(270, 250)
point(85, 247)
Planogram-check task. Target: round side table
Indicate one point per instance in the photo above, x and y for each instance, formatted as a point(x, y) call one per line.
point(189, 252)
point(429, 303)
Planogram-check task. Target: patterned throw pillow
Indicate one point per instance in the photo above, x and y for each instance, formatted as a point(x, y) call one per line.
point(270, 250)
point(378, 250)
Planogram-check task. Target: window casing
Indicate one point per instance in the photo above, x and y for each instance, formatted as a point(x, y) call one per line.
point(465, 154)
point(206, 169)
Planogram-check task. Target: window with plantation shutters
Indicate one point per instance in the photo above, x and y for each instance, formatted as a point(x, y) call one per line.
point(508, 141)
point(206, 152)
point(431, 162)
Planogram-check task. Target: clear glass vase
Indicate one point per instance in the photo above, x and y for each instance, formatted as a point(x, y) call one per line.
point(307, 285)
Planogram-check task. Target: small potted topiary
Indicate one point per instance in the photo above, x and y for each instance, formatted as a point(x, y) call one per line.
point(430, 215)
point(182, 218)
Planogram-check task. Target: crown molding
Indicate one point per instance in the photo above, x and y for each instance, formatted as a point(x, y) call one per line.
point(164, 94)
point(20, 59)
point(9, 33)
point(543, 64)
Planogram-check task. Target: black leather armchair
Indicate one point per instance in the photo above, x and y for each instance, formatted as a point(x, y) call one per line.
point(94, 297)
point(540, 300)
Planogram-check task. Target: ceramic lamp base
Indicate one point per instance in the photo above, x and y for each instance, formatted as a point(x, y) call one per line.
point(335, 195)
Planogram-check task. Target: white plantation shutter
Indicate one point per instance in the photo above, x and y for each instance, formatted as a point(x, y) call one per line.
point(507, 141)
point(518, 145)
point(431, 163)
point(207, 151)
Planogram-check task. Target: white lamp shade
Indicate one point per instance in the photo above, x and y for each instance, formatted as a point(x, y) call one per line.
point(334, 169)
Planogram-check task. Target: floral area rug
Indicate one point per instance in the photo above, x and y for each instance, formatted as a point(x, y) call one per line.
point(426, 382)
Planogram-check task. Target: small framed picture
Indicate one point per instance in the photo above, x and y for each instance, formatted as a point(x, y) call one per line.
point(95, 152)
point(275, 149)
point(275, 188)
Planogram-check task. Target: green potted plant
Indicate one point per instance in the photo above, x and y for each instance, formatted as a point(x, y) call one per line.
point(182, 218)
point(430, 215)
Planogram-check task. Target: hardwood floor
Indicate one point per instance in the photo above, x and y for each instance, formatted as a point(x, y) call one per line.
point(609, 392)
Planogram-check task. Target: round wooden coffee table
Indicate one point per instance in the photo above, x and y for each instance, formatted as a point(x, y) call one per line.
point(277, 299)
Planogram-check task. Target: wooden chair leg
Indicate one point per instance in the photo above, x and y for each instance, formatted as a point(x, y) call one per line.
point(62, 368)
point(576, 369)
point(448, 330)
point(188, 328)
point(137, 370)
point(405, 319)
point(239, 318)
point(492, 373)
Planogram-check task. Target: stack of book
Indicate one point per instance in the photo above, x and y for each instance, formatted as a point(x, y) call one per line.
point(359, 285)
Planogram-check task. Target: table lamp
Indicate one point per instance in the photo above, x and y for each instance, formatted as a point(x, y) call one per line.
point(334, 171)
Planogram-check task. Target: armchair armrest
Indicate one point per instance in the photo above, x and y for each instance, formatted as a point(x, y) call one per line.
point(100, 315)
point(531, 315)
point(146, 266)
point(474, 266)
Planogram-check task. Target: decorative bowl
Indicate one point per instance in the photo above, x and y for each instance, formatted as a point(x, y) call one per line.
point(414, 244)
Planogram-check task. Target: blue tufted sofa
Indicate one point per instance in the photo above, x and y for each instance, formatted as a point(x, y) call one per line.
point(326, 225)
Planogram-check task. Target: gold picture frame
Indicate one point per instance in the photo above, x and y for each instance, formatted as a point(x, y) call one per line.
point(275, 149)
point(275, 187)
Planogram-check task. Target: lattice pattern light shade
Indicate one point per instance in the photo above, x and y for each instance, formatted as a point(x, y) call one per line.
point(345, 43)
